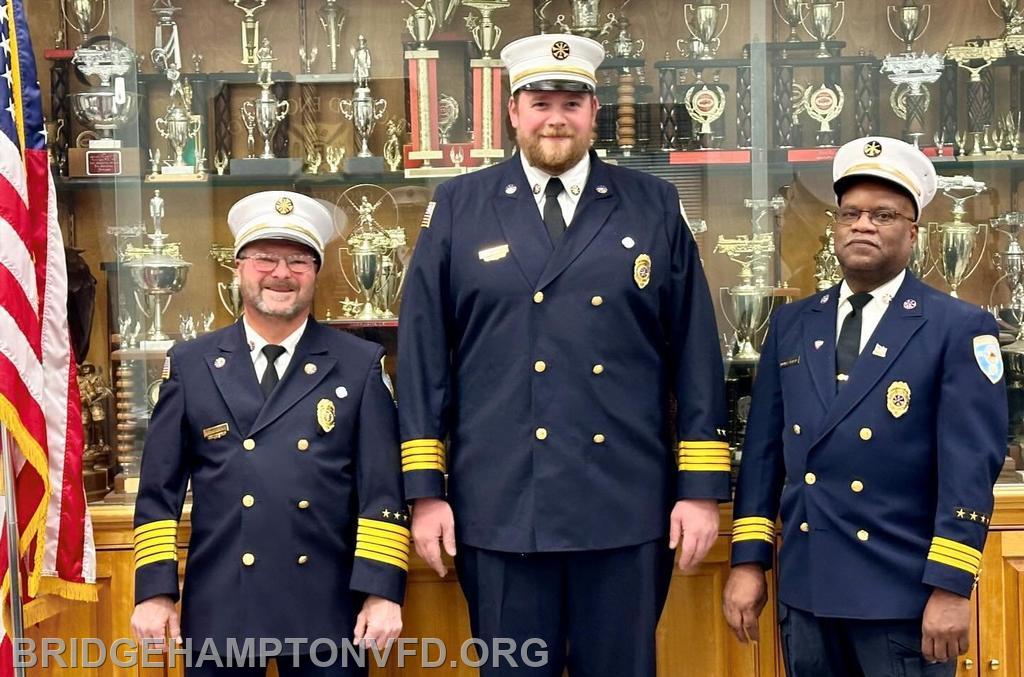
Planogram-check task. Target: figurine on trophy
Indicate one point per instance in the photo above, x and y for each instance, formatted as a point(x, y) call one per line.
point(361, 63)
point(250, 31)
point(158, 272)
point(958, 238)
point(334, 156)
point(374, 251)
point(393, 146)
point(827, 272)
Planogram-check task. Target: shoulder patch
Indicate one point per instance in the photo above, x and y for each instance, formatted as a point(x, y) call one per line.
point(428, 214)
point(988, 357)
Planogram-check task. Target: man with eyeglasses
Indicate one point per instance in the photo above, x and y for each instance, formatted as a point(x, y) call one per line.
point(877, 429)
point(287, 432)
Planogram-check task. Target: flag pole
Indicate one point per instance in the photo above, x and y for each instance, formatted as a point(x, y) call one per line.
point(17, 630)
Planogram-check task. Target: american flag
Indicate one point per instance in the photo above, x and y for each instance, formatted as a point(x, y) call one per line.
point(39, 401)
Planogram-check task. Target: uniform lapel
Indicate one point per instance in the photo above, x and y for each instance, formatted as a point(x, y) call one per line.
point(235, 377)
point(820, 325)
point(521, 222)
point(594, 208)
point(298, 380)
point(902, 319)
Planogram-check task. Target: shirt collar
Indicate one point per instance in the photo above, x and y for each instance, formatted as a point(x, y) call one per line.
point(884, 292)
point(256, 342)
point(574, 179)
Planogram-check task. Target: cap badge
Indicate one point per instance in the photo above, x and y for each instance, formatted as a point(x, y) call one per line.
point(284, 206)
point(560, 50)
point(872, 149)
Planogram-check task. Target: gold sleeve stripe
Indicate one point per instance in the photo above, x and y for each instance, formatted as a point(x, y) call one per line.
point(955, 563)
point(704, 467)
point(387, 536)
point(707, 444)
point(967, 550)
point(168, 536)
point(946, 555)
point(753, 528)
point(142, 553)
point(385, 526)
point(422, 458)
point(412, 444)
point(704, 453)
point(152, 559)
point(739, 538)
point(438, 466)
point(366, 554)
point(966, 559)
point(153, 526)
point(383, 550)
point(763, 521)
point(420, 454)
point(383, 542)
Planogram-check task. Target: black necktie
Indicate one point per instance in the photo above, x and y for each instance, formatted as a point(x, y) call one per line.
point(270, 377)
point(848, 346)
point(553, 218)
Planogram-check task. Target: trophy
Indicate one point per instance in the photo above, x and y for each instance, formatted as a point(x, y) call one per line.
point(334, 156)
point(167, 49)
point(1013, 18)
point(586, 19)
point(159, 273)
point(85, 15)
point(705, 17)
point(793, 13)
point(824, 105)
point(178, 126)
point(823, 26)
point(230, 293)
point(364, 112)
point(361, 63)
point(373, 249)
point(827, 272)
point(103, 109)
point(1011, 264)
point(957, 238)
point(486, 73)
point(908, 27)
point(909, 99)
point(979, 96)
point(921, 262)
point(250, 31)
point(750, 302)
point(266, 111)
point(332, 19)
point(248, 112)
point(705, 105)
point(393, 146)
point(421, 72)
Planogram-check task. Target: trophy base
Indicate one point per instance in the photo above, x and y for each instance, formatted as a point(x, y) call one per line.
point(126, 485)
point(365, 165)
point(709, 156)
point(90, 162)
point(189, 175)
point(279, 166)
point(436, 172)
point(156, 344)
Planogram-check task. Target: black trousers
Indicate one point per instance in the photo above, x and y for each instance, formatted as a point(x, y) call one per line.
point(287, 666)
point(595, 611)
point(813, 646)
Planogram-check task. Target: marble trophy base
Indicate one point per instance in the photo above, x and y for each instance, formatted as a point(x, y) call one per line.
point(278, 166)
point(365, 165)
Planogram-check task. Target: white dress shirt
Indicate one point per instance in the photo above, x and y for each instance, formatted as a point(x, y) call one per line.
point(256, 343)
point(872, 313)
point(573, 180)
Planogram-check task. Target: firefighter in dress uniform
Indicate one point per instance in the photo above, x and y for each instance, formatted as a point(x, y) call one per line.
point(287, 431)
point(877, 428)
point(553, 305)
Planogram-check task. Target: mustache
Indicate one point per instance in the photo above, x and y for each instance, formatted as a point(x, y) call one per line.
point(280, 286)
point(558, 135)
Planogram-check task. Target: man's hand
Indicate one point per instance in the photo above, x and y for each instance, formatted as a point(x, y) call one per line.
point(154, 620)
point(744, 597)
point(378, 623)
point(432, 524)
point(695, 521)
point(947, 618)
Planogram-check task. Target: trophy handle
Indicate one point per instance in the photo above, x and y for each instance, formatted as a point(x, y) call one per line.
point(890, 11)
point(723, 7)
point(142, 305)
point(681, 46)
point(842, 18)
point(248, 109)
point(687, 10)
point(981, 254)
point(345, 108)
point(723, 305)
point(341, 264)
point(282, 109)
point(715, 45)
point(640, 49)
point(161, 126)
point(378, 114)
point(926, 21)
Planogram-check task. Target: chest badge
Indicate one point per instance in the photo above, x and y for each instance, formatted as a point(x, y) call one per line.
point(642, 270)
point(897, 398)
point(325, 415)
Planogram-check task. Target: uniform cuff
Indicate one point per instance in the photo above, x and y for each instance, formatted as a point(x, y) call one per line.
point(154, 580)
point(704, 470)
point(424, 462)
point(952, 566)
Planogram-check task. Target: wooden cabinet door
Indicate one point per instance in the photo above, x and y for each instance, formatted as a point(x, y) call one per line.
point(1000, 601)
point(693, 638)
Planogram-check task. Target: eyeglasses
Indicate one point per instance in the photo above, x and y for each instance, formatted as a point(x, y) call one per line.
point(267, 263)
point(881, 217)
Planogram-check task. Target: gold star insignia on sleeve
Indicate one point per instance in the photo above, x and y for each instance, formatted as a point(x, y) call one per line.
point(385, 513)
point(983, 519)
point(960, 513)
point(974, 517)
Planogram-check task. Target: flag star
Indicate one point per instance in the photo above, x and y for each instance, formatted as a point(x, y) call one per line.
point(7, 75)
point(6, 44)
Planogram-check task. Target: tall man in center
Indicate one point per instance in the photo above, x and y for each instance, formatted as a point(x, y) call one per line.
point(554, 306)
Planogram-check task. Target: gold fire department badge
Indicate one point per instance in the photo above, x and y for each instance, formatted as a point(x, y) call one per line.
point(897, 398)
point(325, 415)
